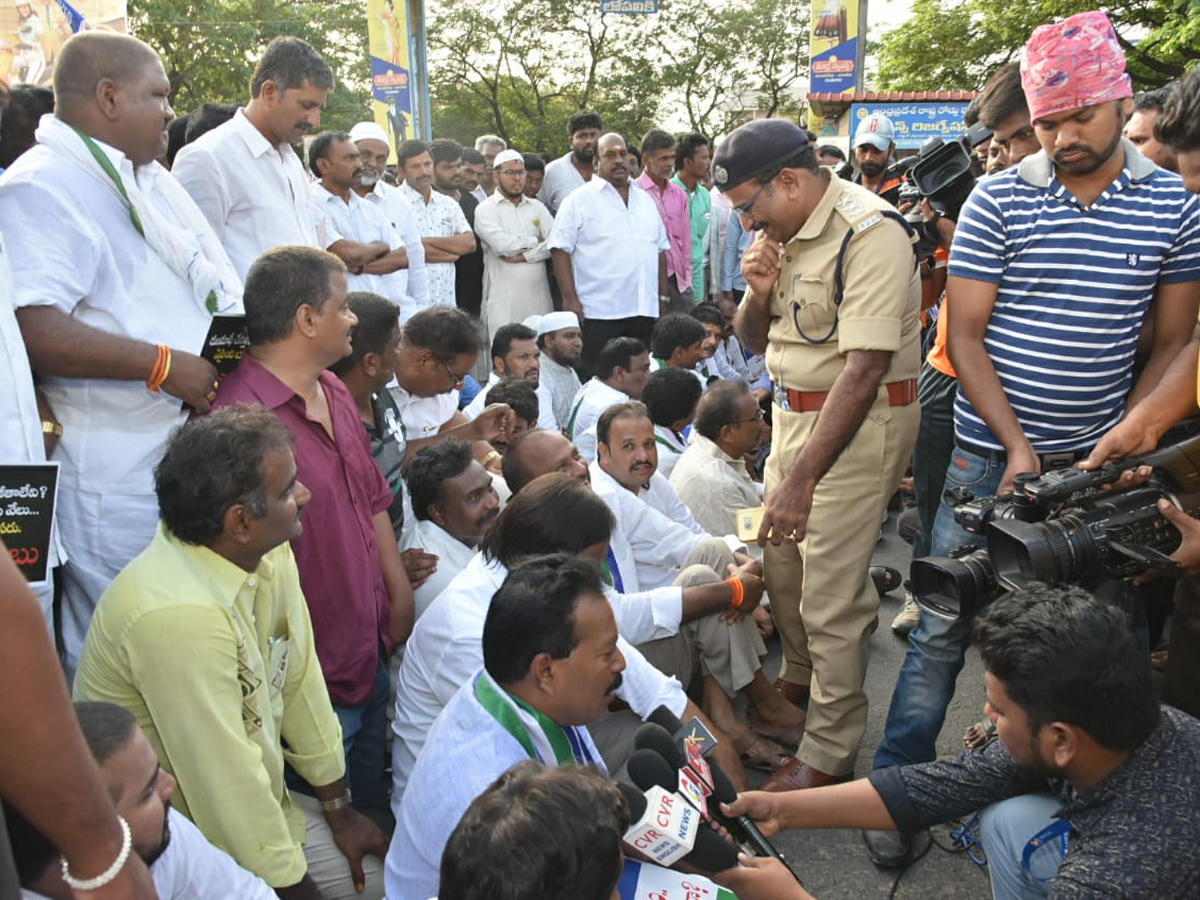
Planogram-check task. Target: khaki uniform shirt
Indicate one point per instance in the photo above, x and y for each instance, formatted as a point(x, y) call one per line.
point(881, 303)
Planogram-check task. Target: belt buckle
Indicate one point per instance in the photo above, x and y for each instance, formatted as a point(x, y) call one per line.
point(781, 398)
point(1061, 460)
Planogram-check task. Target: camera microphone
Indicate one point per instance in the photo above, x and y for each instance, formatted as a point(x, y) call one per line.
point(654, 831)
point(698, 742)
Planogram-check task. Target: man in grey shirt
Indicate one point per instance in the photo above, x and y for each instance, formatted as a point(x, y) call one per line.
point(574, 168)
point(1091, 790)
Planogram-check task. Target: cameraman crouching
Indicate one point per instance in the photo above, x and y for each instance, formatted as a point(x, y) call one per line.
point(1090, 792)
point(1174, 399)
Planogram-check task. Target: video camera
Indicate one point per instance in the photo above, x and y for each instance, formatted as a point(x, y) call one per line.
point(1063, 527)
point(941, 174)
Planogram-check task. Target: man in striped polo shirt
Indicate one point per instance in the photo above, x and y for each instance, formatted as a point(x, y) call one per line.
point(1056, 264)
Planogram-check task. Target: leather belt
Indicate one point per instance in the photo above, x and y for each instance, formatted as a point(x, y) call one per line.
point(900, 393)
point(1055, 459)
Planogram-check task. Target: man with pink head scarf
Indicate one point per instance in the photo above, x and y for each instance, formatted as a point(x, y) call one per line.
point(1057, 263)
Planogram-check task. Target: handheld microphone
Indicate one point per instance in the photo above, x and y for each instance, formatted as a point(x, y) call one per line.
point(694, 734)
point(709, 853)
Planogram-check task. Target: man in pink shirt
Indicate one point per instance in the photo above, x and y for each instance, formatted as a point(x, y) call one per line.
point(658, 157)
point(351, 572)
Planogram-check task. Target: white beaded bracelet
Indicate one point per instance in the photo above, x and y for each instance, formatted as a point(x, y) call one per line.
point(91, 884)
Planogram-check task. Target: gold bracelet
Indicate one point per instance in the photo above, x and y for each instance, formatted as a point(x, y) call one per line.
point(337, 802)
point(54, 428)
point(487, 460)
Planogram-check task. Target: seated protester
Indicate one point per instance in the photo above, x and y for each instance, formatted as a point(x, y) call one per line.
point(713, 362)
point(753, 368)
point(621, 372)
point(205, 637)
point(677, 341)
point(351, 572)
point(515, 354)
point(671, 396)
point(691, 618)
point(711, 475)
point(445, 648)
point(538, 833)
point(652, 549)
point(183, 864)
point(438, 348)
point(552, 660)
point(454, 504)
point(1088, 765)
point(561, 341)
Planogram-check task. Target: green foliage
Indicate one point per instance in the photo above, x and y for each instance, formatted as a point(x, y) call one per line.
point(955, 44)
point(521, 69)
point(210, 47)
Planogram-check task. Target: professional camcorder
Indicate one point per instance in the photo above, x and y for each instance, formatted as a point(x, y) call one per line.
point(942, 175)
point(1063, 527)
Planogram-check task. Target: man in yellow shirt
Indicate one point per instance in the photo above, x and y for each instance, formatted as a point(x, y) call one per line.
point(205, 637)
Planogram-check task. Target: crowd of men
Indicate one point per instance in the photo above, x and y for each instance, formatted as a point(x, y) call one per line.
point(474, 493)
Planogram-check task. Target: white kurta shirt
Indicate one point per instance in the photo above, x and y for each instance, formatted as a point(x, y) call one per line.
point(614, 249)
point(253, 193)
point(440, 217)
point(659, 546)
point(400, 213)
point(445, 649)
point(513, 291)
point(364, 223)
point(670, 446)
point(453, 556)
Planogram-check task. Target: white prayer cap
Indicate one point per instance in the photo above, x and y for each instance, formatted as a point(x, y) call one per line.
point(507, 156)
point(368, 131)
point(556, 321)
point(533, 323)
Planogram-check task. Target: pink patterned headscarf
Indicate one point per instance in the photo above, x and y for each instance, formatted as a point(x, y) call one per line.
point(1073, 64)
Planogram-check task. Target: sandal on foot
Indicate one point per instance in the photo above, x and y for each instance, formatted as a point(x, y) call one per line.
point(789, 739)
point(759, 753)
point(886, 579)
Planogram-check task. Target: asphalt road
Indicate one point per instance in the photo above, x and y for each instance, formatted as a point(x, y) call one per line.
point(833, 864)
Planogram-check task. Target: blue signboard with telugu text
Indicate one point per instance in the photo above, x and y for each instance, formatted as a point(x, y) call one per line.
point(916, 121)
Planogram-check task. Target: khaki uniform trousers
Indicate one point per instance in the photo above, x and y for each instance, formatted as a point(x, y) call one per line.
point(731, 654)
point(822, 599)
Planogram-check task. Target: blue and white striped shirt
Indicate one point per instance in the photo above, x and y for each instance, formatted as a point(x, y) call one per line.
point(1074, 284)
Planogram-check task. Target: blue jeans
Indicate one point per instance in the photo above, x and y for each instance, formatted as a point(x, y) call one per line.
point(936, 648)
point(1005, 830)
point(935, 444)
point(364, 739)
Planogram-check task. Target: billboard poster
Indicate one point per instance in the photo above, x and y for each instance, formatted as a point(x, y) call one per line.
point(833, 46)
point(391, 69)
point(32, 34)
point(916, 122)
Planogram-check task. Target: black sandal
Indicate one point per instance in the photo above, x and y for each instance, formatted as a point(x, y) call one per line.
point(886, 579)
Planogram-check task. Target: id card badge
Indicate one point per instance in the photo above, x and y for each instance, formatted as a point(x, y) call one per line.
point(748, 523)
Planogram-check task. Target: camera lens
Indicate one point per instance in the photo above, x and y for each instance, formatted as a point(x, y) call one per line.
point(953, 588)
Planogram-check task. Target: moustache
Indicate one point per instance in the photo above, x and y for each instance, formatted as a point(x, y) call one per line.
point(615, 684)
point(488, 517)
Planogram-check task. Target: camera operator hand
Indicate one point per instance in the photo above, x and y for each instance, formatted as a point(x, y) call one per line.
point(1188, 554)
point(1023, 459)
point(1131, 436)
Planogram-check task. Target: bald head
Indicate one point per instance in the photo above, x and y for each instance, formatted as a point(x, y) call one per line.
point(93, 56)
point(612, 159)
point(540, 452)
point(114, 88)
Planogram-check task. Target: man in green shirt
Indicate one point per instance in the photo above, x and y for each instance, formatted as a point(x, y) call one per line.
point(691, 164)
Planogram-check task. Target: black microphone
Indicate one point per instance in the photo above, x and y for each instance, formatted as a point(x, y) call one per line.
point(711, 853)
point(723, 790)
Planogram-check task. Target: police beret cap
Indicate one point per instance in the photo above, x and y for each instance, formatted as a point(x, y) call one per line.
point(754, 148)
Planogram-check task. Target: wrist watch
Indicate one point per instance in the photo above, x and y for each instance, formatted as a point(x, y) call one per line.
point(337, 802)
point(54, 428)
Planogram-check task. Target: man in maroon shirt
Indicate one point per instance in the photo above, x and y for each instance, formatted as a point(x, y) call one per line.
point(350, 567)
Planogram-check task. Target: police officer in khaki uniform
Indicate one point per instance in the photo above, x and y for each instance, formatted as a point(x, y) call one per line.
point(843, 353)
